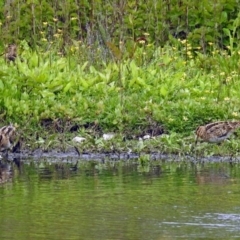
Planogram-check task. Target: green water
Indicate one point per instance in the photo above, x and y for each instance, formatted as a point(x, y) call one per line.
point(119, 200)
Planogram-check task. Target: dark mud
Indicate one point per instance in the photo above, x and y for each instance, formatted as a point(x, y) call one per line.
point(60, 156)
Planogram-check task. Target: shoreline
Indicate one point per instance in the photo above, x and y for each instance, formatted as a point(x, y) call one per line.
point(71, 154)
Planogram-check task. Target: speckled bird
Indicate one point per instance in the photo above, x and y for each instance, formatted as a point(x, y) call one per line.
point(11, 53)
point(7, 137)
point(216, 132)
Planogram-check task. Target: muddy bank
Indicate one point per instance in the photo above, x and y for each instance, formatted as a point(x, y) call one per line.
point(72, 154)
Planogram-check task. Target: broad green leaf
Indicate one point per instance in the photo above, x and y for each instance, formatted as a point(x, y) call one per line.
point(67, 87)
point(224, 17)
point(164, 91)
point(84, 83)
point(84, 66)
point(47, 94)
point(33, 61)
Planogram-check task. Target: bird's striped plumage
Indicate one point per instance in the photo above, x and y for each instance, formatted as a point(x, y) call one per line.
point(217, 131)
point(7, 137)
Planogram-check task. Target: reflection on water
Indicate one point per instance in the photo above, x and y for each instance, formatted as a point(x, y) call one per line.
point(5, 172)
point(69, 199)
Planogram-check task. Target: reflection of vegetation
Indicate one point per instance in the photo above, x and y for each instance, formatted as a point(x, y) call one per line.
point(5, 172)
point(144, 163)
point(117, 200)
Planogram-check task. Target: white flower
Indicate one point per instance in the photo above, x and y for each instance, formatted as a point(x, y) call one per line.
point(146, 137)
point(108, 136)
point(78, 139)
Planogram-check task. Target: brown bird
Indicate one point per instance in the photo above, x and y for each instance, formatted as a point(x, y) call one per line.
point(5, 143)
point(7, 137)
point(216, 132)
point(11, 53)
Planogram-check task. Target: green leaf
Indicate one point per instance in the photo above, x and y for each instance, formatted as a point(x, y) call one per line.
point(227, 31)
point(84, 66)
point(224, 17)
point(1, 85)
point(33, 61)
point(163, 91)
point(67, 87)
point(47, 94)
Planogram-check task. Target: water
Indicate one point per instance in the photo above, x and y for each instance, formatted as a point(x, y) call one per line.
point(65, 199)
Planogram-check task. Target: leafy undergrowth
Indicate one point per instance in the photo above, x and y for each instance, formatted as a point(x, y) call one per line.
point(162, 92)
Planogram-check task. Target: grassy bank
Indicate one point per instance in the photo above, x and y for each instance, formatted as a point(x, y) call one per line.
point(164, 92)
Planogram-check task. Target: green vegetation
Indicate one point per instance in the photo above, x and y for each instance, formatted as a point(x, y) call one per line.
point(138, 80)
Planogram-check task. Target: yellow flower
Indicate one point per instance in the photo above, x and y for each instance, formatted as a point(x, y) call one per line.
point(235, 114)
point(55, 19)
point(226, 99)
point(73, 18)
point(222, 73)
point(45, 23)
point(141, 41)
point(208, 91)
point(185, 118)
point(210, 43)
point(146, 34)
point(228, 79)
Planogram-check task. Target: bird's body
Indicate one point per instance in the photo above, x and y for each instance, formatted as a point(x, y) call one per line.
point(11, 53)
point(7, 137)
point(216, 132)
point(5, 143)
